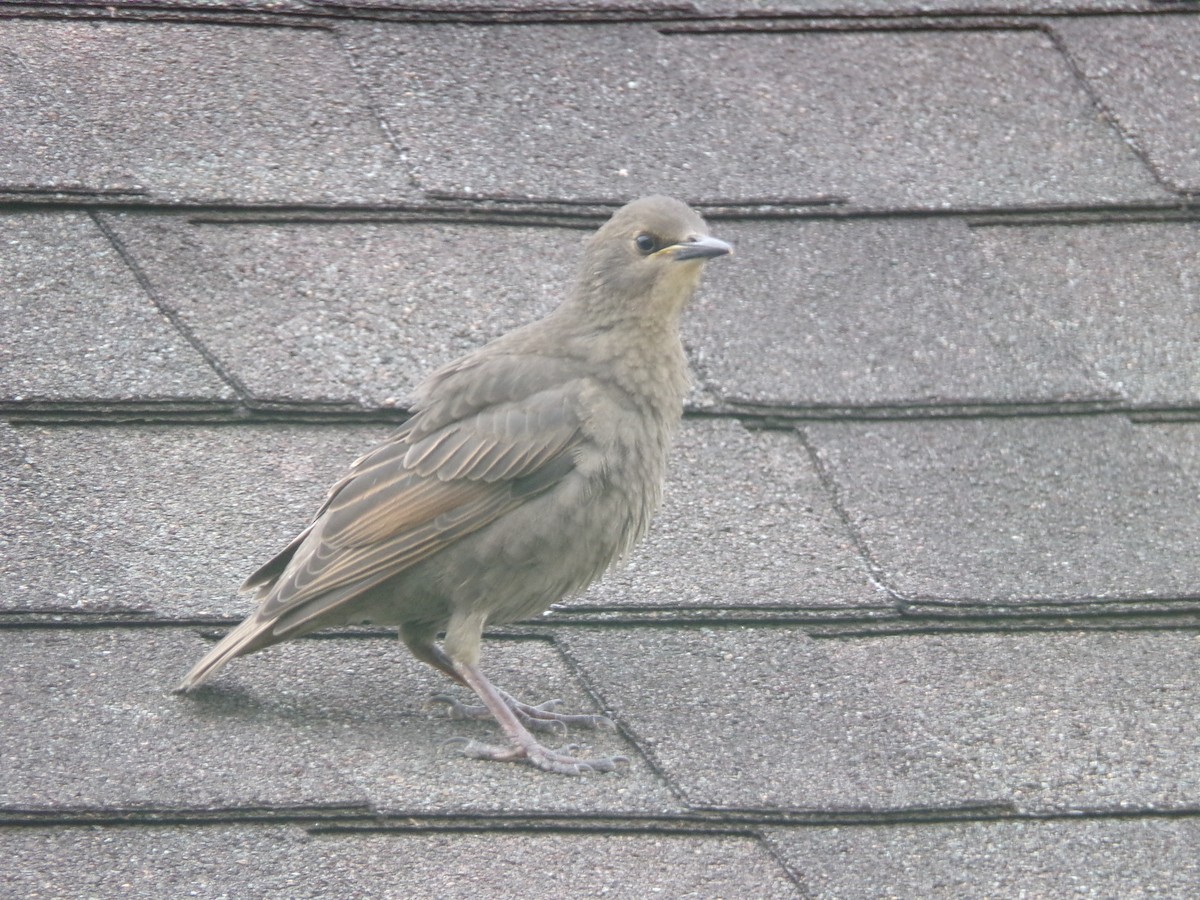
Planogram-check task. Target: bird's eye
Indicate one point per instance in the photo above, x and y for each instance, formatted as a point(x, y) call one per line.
point(646, 243)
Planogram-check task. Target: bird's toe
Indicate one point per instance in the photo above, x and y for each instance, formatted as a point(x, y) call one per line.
point(535, 717)
point(561, 761)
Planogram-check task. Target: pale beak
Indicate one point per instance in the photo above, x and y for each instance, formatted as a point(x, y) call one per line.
point(699, 248)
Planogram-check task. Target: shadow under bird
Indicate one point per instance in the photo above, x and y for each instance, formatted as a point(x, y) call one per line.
point(527, 468)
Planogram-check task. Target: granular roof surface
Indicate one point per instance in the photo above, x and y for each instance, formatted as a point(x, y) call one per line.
point(920, 616)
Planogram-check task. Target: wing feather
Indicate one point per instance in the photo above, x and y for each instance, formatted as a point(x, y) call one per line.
point(328, 576)
point(415, 495)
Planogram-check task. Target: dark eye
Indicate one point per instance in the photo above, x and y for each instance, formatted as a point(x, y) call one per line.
point(646, 243)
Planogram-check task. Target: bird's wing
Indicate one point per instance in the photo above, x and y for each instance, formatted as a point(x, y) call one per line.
point(408, 499)
point(486, 379)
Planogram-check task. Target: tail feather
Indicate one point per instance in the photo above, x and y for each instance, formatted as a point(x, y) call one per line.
point(251, 635)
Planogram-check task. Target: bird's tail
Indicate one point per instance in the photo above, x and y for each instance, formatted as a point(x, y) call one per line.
point(251, 635)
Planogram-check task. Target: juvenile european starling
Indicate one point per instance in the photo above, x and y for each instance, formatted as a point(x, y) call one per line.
point(526, 469)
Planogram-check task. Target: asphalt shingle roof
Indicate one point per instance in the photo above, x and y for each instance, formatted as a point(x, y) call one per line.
point(78, 325)
point(480, 113)
point(921, 613)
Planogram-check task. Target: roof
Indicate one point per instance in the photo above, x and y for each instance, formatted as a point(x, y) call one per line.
point(921, 613)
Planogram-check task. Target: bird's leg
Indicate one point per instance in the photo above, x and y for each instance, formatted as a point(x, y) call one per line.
point(524, 744)
point(541, 717)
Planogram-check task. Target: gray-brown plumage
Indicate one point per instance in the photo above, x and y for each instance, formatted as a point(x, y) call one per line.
point(527, 468)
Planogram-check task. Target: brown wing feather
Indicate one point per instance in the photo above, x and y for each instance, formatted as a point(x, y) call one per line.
point(403, 502)
point(325, 580)
point(508, 441)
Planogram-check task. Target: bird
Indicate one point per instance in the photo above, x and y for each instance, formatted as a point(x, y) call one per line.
point(526, 468)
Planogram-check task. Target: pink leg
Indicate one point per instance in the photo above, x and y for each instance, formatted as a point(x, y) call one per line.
point(524, 745)
point(538, 718)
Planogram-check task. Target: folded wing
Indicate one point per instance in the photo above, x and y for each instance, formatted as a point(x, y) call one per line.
point(406, 500)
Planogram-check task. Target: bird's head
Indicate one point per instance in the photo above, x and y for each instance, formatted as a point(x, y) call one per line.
point(644, 263)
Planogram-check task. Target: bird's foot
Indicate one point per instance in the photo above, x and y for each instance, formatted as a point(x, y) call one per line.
point(560, 761)
point(541, 717)
point(523, 746)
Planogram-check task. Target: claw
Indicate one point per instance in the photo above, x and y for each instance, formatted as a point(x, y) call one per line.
point(561, 761)
point(455, 709)
point(544, 706)
point(480, 750)
point(541, 717)
point(553, 725)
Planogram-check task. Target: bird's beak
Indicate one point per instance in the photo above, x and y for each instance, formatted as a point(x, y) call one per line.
point(698, 248)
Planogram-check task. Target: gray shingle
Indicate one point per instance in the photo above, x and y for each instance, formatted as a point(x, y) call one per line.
point(348, 311)
point(758, 718)
point(90, 723)
point(78, 326)
point(938, 119)
point(1177, 440)
point(1123, 294)
point(1009, 510)
point(276, 861)
point(1146, 72)
point(808, 313)
point(40, 148)
point(236, 114)
point(875, 313)
point(1090, 858)
point(23, 559)
point(169, 519)
point(745, 522)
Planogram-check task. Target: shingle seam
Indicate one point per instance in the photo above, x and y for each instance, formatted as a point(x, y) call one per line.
point(1182, 214)
point(251, 411)
point(368, 100)
point(778, 418)
point(989, 812)
point(120, 412)
point(780, 415)
point(165, 14)
point(1160, 616)
point(875, 572)
point(321, 15)
point(152, 815)
point(950, 19)
point(918, 616)
point(635, 616)
point(213, 627)
point(810, 23)
point(644, 748)
point(784, 861)
point(1189, 622)
point(1050, 600)
point(700, 820)
point(222, 372)
point(1107, 115)
point(525, 212)
point(257, 411)
point(586, 822)
point(514, 14)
